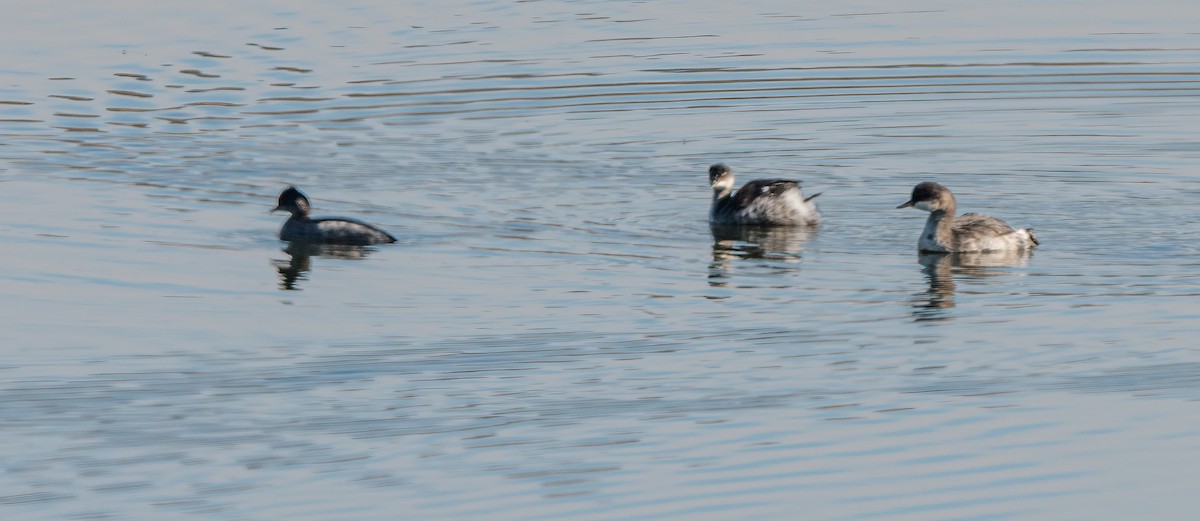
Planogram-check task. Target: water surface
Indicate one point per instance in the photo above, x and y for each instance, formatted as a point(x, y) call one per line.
point(559, 333)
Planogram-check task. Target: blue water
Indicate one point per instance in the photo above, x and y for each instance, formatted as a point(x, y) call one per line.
point(558, 333)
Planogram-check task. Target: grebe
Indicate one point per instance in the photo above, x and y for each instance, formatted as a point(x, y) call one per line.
point(762, 201)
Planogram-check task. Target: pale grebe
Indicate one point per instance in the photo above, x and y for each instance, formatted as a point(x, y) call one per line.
point(969, 232)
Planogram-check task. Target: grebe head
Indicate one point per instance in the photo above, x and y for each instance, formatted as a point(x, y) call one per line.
point(720, 177)
point(931, 197)
point(293, 201)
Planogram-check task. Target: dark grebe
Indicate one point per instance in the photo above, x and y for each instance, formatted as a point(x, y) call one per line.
point(334, 230)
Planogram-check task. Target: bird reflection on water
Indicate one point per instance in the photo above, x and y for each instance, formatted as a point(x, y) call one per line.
point(941, 268)
point(774, 243)
point(299, 262)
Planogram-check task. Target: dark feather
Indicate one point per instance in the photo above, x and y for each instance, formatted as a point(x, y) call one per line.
point(763, 188)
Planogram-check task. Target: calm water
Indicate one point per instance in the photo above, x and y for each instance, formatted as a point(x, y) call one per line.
point(559, 334)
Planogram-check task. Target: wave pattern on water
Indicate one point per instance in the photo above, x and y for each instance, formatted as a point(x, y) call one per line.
point(492, 407)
